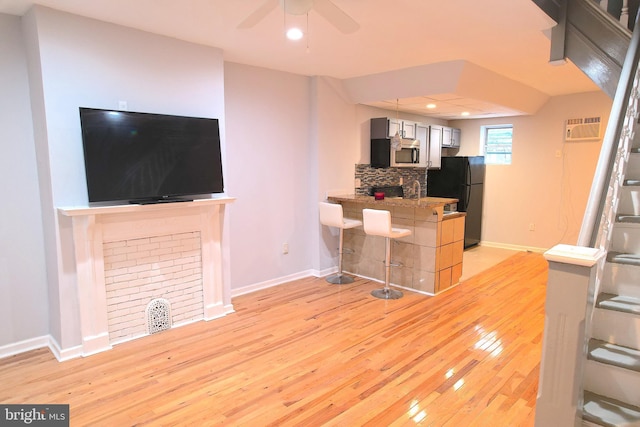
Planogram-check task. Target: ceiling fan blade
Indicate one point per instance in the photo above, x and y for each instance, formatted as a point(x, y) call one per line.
point(335, 15)
point(258, 15)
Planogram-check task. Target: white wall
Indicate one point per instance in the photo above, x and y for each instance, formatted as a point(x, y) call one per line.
point(268, 127)
point(74, 62)
point(538, 187)
point(23, 290)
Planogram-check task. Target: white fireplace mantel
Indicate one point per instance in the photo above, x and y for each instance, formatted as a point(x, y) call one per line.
point(94, 226)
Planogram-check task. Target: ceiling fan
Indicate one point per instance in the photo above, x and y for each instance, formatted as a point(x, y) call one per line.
point(325, 8)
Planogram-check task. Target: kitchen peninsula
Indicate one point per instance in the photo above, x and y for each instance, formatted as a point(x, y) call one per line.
point(430, 259)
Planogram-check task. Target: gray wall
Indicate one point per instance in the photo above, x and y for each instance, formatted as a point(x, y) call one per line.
point(23, 290)
point(268, 129)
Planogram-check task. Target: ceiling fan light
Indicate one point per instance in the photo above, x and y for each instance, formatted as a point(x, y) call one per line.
point(294, 33)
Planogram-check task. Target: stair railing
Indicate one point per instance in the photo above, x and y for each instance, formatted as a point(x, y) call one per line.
point(600, 211)
point(624, 11)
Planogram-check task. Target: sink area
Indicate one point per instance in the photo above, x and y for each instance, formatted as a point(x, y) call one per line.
point(396, 192)
point(390, 192)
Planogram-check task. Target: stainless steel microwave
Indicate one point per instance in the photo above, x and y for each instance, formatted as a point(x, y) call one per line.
point(412, 153)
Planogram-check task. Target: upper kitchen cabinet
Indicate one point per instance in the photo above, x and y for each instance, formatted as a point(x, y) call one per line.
point(393, 126)
point(384, 127)
point(408, 129)
point(450, 137)
point(435, 147)
point(455, 138)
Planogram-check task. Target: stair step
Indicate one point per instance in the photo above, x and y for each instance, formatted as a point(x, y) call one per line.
point(611, 381)
point(609, 412)
point(629, 219)
point(621, 303)
point(621, 279)
point(625, 238)
point(616, 327)
point(623, 258)
point(612, 354)
point(629, 202)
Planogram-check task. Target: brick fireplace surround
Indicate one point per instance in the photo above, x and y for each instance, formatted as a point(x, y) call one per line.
point(100, 229)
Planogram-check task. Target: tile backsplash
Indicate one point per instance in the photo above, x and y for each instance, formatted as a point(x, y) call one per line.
point(382, 177)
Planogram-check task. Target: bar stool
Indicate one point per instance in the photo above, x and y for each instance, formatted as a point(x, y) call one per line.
point(331, 215)
point(378, 223)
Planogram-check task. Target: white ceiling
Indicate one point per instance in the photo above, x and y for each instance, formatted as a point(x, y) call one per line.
point(506, 37)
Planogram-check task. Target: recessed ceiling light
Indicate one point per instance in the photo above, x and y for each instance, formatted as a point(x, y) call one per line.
point(431, 106)
point(464, 113)
point(294, 33)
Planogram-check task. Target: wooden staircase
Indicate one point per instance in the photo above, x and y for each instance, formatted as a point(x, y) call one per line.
point(612, 370)
point(591, 38)
point(606, 376)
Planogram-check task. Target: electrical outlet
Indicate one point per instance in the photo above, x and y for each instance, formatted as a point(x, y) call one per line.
point(558, 153)
point(285, 248)
point(123, 106)
point(532, 227)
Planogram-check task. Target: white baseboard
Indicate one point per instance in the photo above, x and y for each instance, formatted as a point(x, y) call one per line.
point(66, 353)
point(39, 342)
point(513, 247)
point(326, 272)
point(273, 282)
point(23, 346)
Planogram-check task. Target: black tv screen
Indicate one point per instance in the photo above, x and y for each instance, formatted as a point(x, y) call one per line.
point(144, 157)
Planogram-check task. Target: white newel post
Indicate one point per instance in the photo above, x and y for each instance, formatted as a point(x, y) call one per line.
point(95, 226)
point(568, 306)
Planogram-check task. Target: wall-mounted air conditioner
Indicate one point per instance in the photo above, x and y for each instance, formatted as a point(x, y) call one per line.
point(582, 129)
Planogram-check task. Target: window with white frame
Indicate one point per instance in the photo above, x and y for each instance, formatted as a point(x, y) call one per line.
point(497, 141)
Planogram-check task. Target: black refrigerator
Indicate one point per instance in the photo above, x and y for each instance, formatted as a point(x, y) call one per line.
point(461, 178)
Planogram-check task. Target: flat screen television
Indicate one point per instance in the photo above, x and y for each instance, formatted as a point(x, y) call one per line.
point(149, 158)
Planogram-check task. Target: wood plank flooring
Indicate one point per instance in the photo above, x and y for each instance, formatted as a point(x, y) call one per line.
point(309, 353)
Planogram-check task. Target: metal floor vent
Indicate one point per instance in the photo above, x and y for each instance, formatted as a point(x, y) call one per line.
point(158, 313)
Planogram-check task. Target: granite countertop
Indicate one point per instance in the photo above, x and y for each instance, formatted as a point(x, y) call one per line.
point(426, 202)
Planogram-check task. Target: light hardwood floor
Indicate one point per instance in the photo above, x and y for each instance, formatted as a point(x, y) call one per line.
point(310, 353)
point(478, 258)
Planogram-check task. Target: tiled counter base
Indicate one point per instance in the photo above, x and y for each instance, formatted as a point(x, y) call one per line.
point(430, 258)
